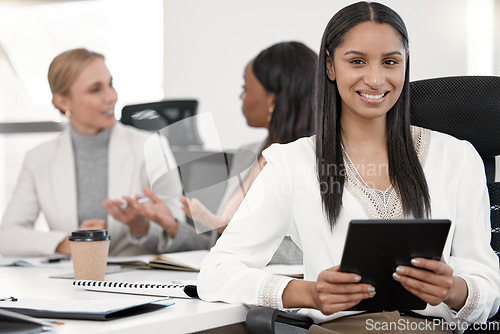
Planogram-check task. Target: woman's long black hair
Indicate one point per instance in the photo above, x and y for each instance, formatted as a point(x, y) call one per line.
point(405, 172)
point(287, 69)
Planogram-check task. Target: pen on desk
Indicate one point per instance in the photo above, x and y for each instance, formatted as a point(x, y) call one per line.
point(56, 259)
point(140, 201)
point(12, 299)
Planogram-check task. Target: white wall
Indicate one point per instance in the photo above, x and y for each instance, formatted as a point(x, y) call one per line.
point(208, 43)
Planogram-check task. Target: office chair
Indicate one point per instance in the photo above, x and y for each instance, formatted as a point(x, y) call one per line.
point(156, 116)
point(466, 107)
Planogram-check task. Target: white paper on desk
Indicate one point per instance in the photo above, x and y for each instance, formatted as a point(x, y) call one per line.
point(110, 269)
point(81, 306)
point(34, 262)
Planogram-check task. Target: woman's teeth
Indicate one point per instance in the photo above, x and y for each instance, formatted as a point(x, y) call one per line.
point(372, 97)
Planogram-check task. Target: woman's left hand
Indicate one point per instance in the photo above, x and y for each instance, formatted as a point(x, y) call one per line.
point(137, 223)
point(433, 282)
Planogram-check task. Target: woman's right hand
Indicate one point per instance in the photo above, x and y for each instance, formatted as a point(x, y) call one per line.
point(63, 247)
point(334, 291)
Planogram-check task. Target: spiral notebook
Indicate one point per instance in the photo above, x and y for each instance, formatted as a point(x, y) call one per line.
point(149, 289)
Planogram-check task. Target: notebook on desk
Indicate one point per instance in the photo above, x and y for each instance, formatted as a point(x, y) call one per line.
point(13, 322)
point(184, 261)
point(374, 248)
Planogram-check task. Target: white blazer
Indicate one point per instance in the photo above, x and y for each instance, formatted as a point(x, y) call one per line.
point(244, 160)
point(47, 184)
point(285, 199)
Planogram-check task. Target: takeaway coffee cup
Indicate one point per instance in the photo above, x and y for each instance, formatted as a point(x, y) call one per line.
point(89, 252)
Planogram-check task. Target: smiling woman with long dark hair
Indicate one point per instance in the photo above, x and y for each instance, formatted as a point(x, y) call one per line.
point(365, 162)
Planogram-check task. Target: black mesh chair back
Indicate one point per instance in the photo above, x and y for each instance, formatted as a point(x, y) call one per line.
point(156, 116)
point(466, 107)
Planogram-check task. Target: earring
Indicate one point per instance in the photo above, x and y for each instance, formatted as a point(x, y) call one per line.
point(67, 113)
point(270, 115)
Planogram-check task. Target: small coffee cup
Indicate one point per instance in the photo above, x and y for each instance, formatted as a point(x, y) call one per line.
point(89, 253)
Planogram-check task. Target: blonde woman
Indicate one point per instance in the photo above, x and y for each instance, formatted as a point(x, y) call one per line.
point(77, 179)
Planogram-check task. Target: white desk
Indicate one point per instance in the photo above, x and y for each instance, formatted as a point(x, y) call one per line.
point(186, 316)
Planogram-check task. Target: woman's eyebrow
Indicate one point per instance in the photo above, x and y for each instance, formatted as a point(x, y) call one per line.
point(392, 53)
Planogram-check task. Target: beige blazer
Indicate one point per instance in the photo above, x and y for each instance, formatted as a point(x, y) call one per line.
point(47, 184)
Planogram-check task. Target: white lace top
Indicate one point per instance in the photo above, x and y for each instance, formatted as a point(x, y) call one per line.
point(383, 204)
point(285, 199)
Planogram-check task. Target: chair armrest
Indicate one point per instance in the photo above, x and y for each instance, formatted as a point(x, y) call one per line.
point(262, 320)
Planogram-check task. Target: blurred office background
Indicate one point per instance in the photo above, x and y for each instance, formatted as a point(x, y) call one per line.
point(197, 49)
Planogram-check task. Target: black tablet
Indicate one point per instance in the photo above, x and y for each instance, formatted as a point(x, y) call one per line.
point(374, 248)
